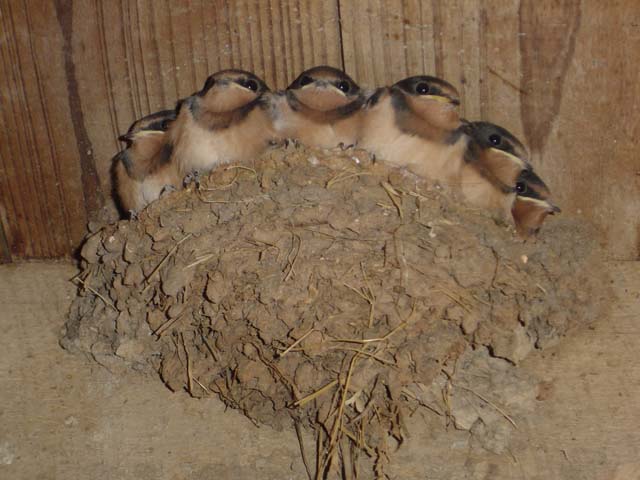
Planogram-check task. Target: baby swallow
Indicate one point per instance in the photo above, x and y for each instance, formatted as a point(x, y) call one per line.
point(229, 120)
point(491, 166)
point(415, 124)
point(158, 121)
point(496, 174)
point(532, 204)
point(321, 108)
point(144, 170)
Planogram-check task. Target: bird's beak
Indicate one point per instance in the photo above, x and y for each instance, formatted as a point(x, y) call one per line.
point(442, 99)
point(517, 160)
point(553, 208)
point(547, 205)
point(131, 137)
point(318, 84)
point(529, 214)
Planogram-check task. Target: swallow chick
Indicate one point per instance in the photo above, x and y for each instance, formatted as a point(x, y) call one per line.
point(415, 124)
point(532, 204)
point(228, 120)
point(143, 171)
point(321, 108)
point(158, 121)
point(491, 164)
point(497, 175)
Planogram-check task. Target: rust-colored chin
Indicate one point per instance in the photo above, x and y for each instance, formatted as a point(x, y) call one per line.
point(322, 99)
point(529, 216)
point(440, 114)
point(499, 166)
point(219, 100)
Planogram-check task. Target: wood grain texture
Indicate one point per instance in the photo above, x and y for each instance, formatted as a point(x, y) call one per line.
point(42, 195)
point(387, 40)
point(547, 44)
point(5, 251)
point(562, 75)
point(75, 74)
point(595, 136)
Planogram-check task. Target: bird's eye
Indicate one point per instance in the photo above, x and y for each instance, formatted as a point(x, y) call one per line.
point(251, 85)
point(521, 187)
point(305, 80)
point(164, 125)
point(495, 139)
point(422, 88)
point(344, 86)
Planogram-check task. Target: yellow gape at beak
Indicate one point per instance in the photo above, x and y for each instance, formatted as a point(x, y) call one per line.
point(550, 207)
point(147, 133)
point(132, 137)
point(518, 161)
point(338, 90)
point(438, 98)
point(235, 85)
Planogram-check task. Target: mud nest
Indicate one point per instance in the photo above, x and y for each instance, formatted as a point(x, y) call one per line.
point(319, 287)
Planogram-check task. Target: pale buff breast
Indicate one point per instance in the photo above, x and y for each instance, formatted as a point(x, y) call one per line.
point(198, 148)
point(378, 130)
point(129, 190)
point(433, 160)
point(154, 184)
point(437, 161)
point(295, 125)
point(479, 192)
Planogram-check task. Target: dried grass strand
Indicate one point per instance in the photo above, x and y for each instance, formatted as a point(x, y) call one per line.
point(489, 402)
point(304, 400)
point(291, 262)
point(188, 360)
point(303, 452)
point(394, 195)
point(163, 261)
point(161, 330)
point(296, 343)
point(95, 292)
point(337, 424)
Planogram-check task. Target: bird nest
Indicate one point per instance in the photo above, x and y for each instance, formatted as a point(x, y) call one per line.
point(318, 287)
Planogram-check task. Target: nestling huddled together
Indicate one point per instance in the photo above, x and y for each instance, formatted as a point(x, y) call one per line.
point(413, 124)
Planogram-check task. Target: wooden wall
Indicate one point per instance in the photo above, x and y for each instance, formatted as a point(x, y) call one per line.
point(561, 74)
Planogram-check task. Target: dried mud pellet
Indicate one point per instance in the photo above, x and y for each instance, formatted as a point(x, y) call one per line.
point(217, 288)
point(90, 248)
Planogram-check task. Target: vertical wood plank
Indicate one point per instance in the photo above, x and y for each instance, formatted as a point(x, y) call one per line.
point(362, 37)
point(42, 183)
point(387, 40)
point(501, 75)
point(419, 39)
point(459, 62)
point(471, 58)
point(146, 53)
point(12, 178)
point(5, 250)
point(547, 44)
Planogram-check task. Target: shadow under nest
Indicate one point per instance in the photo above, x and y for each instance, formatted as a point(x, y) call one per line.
point(319, 289)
